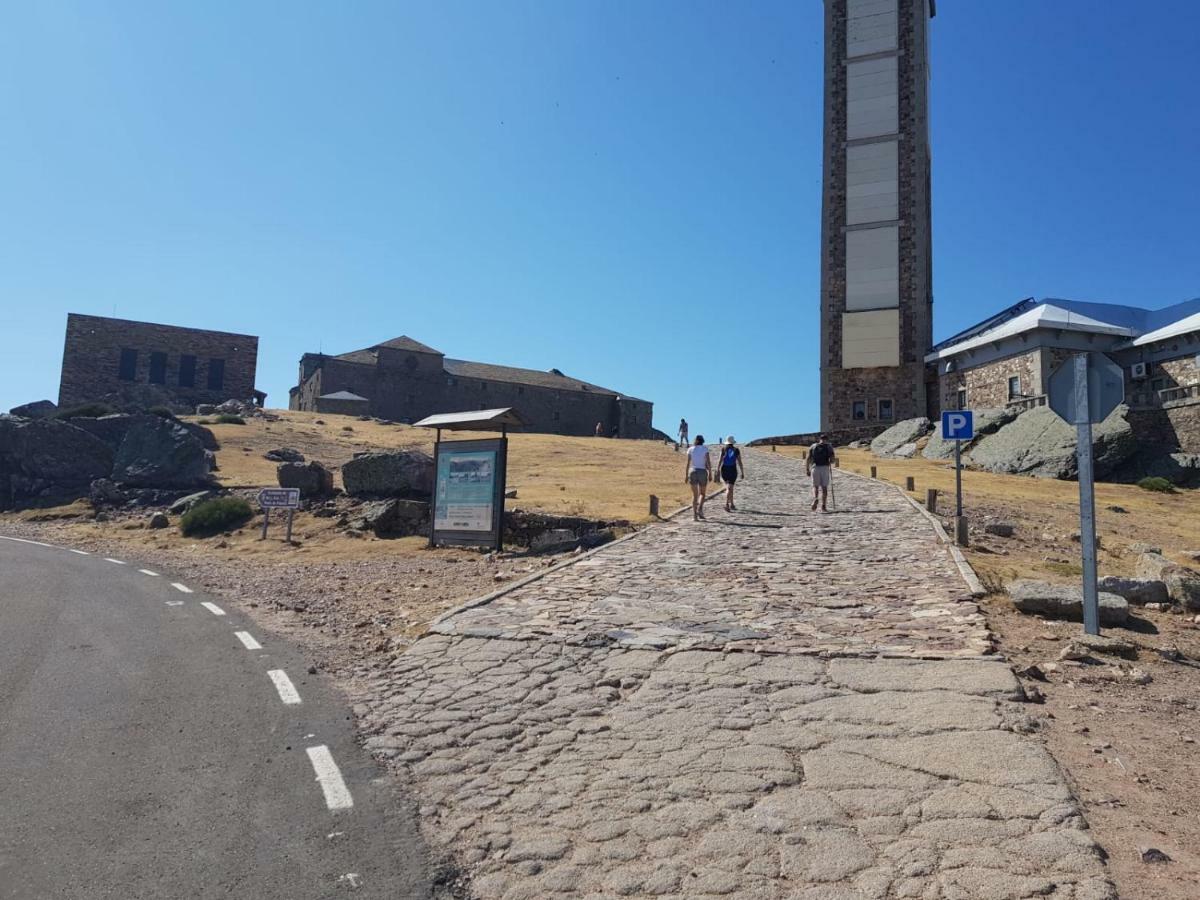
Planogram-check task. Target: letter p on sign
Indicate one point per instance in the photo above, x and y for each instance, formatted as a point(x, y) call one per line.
point(958, 425)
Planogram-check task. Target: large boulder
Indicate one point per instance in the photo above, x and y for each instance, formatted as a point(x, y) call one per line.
point(1182, 583)
point(1041, 444)
point(1138, 591)
point(391, 473)
point(160, 453)
point(393, 517)
point(987, 421)
point(38, 409)
point(1059, 601)
point(900, 434)
point(284, 455)
point(313, 479)
point(47, 461)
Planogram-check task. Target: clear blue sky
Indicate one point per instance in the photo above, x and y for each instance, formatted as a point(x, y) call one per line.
point(626, 190)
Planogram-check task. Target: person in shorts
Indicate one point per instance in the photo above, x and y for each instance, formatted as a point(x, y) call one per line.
point(697, 471)
point(683, 433)
point(818, 464)
point(731, 466)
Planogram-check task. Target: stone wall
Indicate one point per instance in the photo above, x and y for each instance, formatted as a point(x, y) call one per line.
point(1178, 372)
point(92, 353)
point(1172, 430)
point(343, 407)
point(987, 385)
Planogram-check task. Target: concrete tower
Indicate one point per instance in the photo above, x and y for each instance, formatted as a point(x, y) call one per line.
point(876, 279)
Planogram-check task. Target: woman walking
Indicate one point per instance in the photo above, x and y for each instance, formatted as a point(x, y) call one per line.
point(731, 465)
point(696, 472)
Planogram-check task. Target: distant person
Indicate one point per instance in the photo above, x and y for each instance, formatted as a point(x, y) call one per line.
point(616, 432)
point(683, 432)
point(731, 466)
point(599, 429)
point(697, 471)
point(818, 464)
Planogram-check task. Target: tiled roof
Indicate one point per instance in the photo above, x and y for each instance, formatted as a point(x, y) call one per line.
point(404, 342)
point(488, 372)
point(366, 357)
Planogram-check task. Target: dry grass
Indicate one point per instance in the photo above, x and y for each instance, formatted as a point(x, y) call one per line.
point(593, 477)
point(1046, 512)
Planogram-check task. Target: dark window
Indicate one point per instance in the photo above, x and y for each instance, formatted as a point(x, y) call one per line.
point(556, 416)
point(962, 398)
point(216, 374)
point(520, 390)
point(1014, 387)
point(483, 385)
point(858, 410)
point(158, 368)
point(128, 369)
point(885, 409)
point(187, 371)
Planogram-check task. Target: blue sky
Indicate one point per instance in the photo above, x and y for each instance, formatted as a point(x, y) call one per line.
point(627, 190)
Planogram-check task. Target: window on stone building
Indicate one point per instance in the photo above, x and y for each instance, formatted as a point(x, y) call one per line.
point(520, 389)
point(556, 416)
point(216, 374)
point(884, 410)
point(483, 385)
point(158, 368)
point(451, 381)
point(128, 368)
point(962, 398)
point(858, 410)
point(187, 371)
point(1014, 387)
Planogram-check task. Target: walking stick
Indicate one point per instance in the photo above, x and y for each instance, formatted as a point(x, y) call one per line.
point(832, 491)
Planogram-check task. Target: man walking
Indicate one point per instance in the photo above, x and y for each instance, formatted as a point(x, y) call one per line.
point(818, 464)
point(683, 433)
point(697, 471)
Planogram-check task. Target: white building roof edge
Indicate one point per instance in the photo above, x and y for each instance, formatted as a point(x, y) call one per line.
point(1046, 315)
point(1183, 326)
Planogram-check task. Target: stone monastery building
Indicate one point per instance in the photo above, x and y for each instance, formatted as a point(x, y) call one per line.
point(404, 380)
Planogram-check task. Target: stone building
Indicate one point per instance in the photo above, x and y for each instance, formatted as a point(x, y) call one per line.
point(876, 271)
point(138, 364)
point(406, 381)
point(1007, 360)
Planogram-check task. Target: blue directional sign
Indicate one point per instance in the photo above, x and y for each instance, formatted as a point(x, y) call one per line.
point(958, 425)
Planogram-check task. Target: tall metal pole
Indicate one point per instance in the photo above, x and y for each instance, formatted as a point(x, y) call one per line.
point(958, 478)
point(1087, 497)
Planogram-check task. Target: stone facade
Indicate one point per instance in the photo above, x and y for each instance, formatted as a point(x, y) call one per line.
point(853, 397)
point(138, 364)
point(406, 381)
point(987, 385)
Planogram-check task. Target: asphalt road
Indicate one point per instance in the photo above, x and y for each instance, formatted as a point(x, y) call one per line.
point(146, 751)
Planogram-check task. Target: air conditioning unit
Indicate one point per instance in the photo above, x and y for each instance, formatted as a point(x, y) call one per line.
point(1138, 370)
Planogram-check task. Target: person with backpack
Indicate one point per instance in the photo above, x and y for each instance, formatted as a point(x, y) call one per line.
point(683, 433)
point(818, 464)
point(697, 471)
point(731, 464)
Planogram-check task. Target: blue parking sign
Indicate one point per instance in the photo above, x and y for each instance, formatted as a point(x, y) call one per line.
point(958, 425)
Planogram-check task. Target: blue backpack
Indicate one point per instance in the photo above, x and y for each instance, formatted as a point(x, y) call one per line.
point(729, 458)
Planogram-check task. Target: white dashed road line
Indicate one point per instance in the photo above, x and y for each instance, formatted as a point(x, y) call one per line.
point(249, 642)
point(212, 608)
point(174, 603)
point(148, 572)
point(287, 691)
point(27, 541)
point(80, 552)
point(111, 560)
point(184, 589)
point(337, 795)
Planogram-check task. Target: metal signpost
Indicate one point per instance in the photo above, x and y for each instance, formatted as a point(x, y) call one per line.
point(278, 498)
point(1082, 391)
point(958, 425)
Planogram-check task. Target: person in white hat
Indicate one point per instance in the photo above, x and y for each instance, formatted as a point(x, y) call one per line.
point(730, 468)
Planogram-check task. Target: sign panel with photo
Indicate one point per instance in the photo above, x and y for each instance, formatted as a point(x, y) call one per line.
point(466, 490)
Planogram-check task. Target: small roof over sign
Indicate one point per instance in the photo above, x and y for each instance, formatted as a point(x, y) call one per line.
point(475, 420)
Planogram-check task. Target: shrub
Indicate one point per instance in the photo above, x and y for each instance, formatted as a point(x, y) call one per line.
point(1157, 484)
point(87, 410)
point(218, 514)
point(163, 412)
point(230, 419)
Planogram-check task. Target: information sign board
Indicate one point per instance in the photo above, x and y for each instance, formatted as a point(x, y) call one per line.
point(468, 499)
point(279, 498)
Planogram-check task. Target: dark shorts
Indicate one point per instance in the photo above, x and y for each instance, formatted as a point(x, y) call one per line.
point(729, 474)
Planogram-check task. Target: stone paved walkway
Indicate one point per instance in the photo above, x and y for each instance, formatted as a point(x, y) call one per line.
point(590, 735)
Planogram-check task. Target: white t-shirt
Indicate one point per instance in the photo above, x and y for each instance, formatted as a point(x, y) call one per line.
point(698, 456)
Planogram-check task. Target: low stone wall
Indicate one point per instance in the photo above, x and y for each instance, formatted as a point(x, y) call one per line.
point(839, 437)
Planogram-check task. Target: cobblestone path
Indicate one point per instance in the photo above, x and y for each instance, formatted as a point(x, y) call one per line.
point(594, 734)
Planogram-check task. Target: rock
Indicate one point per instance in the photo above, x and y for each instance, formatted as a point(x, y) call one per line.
point(1182, 583)
point(905, 451)
point(1000, 529)
point(1140, 547)
point(1108, 646)
point(156, 452)
point(1033, 671)
point(47, 461)
point(392, 517)
point(185, 504)
point(1073, 651)
point(1139, 676)
point(1193, 555)
point(1116, 509)
point(510, 493)
point(554, 540)
point(906, 432)
point(393, 473)
point(158, 520)
point(857, 445)
point(38, 409)
point(987, 421)
point(106, 492)
point(1177, 468)
point(284, 454)
point(1041, 444)
point(1138, 591)
point(1064, 602)
point(205, 409)
point(312, 478)
point(1153, 855)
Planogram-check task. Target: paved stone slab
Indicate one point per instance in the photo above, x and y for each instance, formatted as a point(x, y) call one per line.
point(561, 761)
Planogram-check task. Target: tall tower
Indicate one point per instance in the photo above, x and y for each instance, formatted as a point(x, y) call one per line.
point(876, 261)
